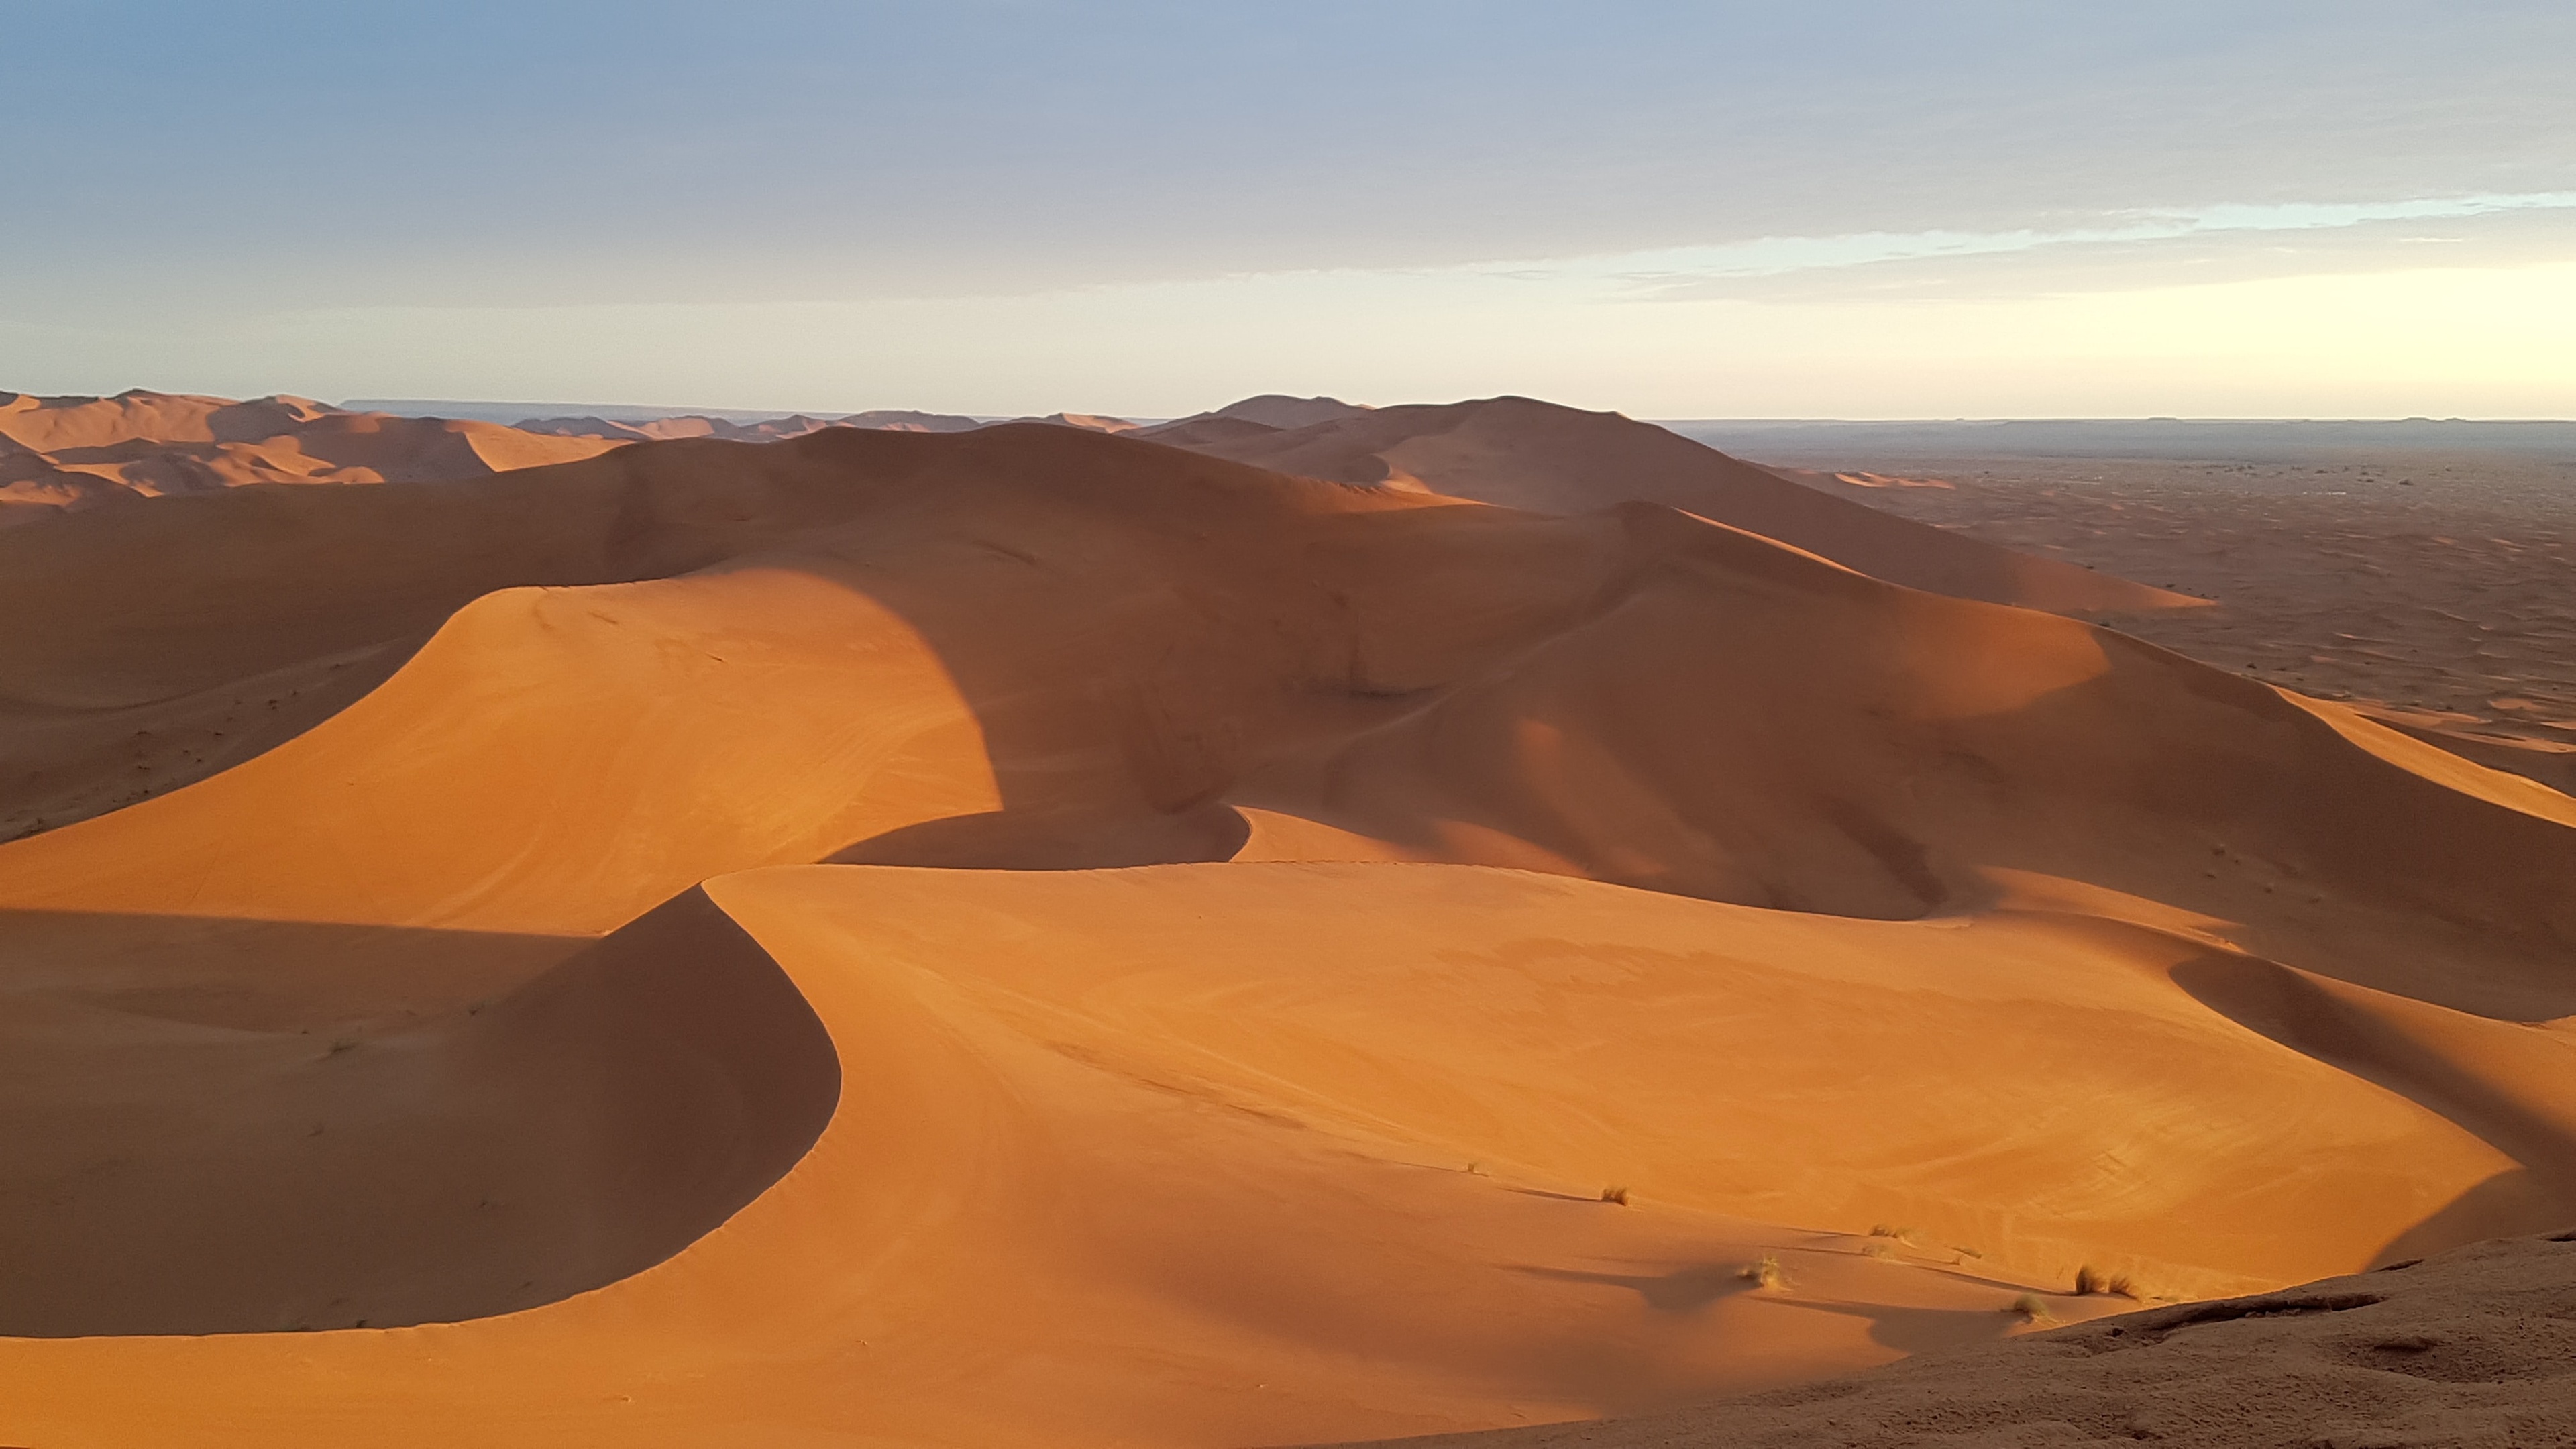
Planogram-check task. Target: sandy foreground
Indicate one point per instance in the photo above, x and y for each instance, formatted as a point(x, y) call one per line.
point(2475, 1348)
point(1030, 936)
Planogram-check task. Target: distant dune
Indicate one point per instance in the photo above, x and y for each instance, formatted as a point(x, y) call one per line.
point(1088, 422)
point(1545, 458)
point(765, 430)
point(82, 452)
point(1274, 410)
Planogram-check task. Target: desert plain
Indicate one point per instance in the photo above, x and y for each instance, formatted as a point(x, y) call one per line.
point(1301, 924)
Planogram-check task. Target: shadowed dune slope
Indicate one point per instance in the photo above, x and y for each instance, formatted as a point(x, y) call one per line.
point(2472, 1350)
point(435, 1140)
point(1550, 459)
point(1178, 1156)
point(1746, 724)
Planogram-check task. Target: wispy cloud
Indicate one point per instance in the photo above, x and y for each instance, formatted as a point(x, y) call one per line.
point(1683, 272)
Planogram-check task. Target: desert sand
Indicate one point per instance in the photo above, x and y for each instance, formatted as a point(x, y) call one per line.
point(2473, 1350)
point(2430, 589)
point(1520, 453)
point(1031, 936)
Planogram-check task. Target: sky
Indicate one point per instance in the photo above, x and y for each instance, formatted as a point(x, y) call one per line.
point(1833, 208)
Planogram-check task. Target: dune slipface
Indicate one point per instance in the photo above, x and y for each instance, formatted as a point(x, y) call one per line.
point(1030, 936)
point(1539, 456)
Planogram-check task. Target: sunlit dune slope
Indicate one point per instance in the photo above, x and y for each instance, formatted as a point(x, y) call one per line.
point(76, 452)
point(1550, 459)
point(166, 643)
point(1181, 1156)
point(161, 644)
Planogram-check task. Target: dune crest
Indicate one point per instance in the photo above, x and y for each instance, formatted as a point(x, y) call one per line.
point(1525, 454)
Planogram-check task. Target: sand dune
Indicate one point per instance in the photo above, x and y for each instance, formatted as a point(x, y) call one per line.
point(1088, 422)
point(505, 999)
point(2432, 590)
point(1746, 724)
point(769, 430)
point(1274, 410)
point(1545, 458)
point(78, 452)
point(1218, 1170)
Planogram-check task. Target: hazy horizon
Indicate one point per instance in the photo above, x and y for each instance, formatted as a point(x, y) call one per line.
point(537, 409)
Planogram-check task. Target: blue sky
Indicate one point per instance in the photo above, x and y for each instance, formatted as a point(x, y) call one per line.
point(1717, 209)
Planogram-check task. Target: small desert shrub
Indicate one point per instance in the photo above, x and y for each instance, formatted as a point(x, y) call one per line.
point(1764, 1272)
point(1882, 1230)
point(2088, 1280)
point(2031, 1306)
point(1615, 1194)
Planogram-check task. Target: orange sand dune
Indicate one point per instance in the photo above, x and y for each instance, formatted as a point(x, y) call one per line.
point(1207, 1182)
point(1550, 459)
point(83, 452)
point(1098, 670)
point(508, 993)
point(1035, 556)
point(1746, 724)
